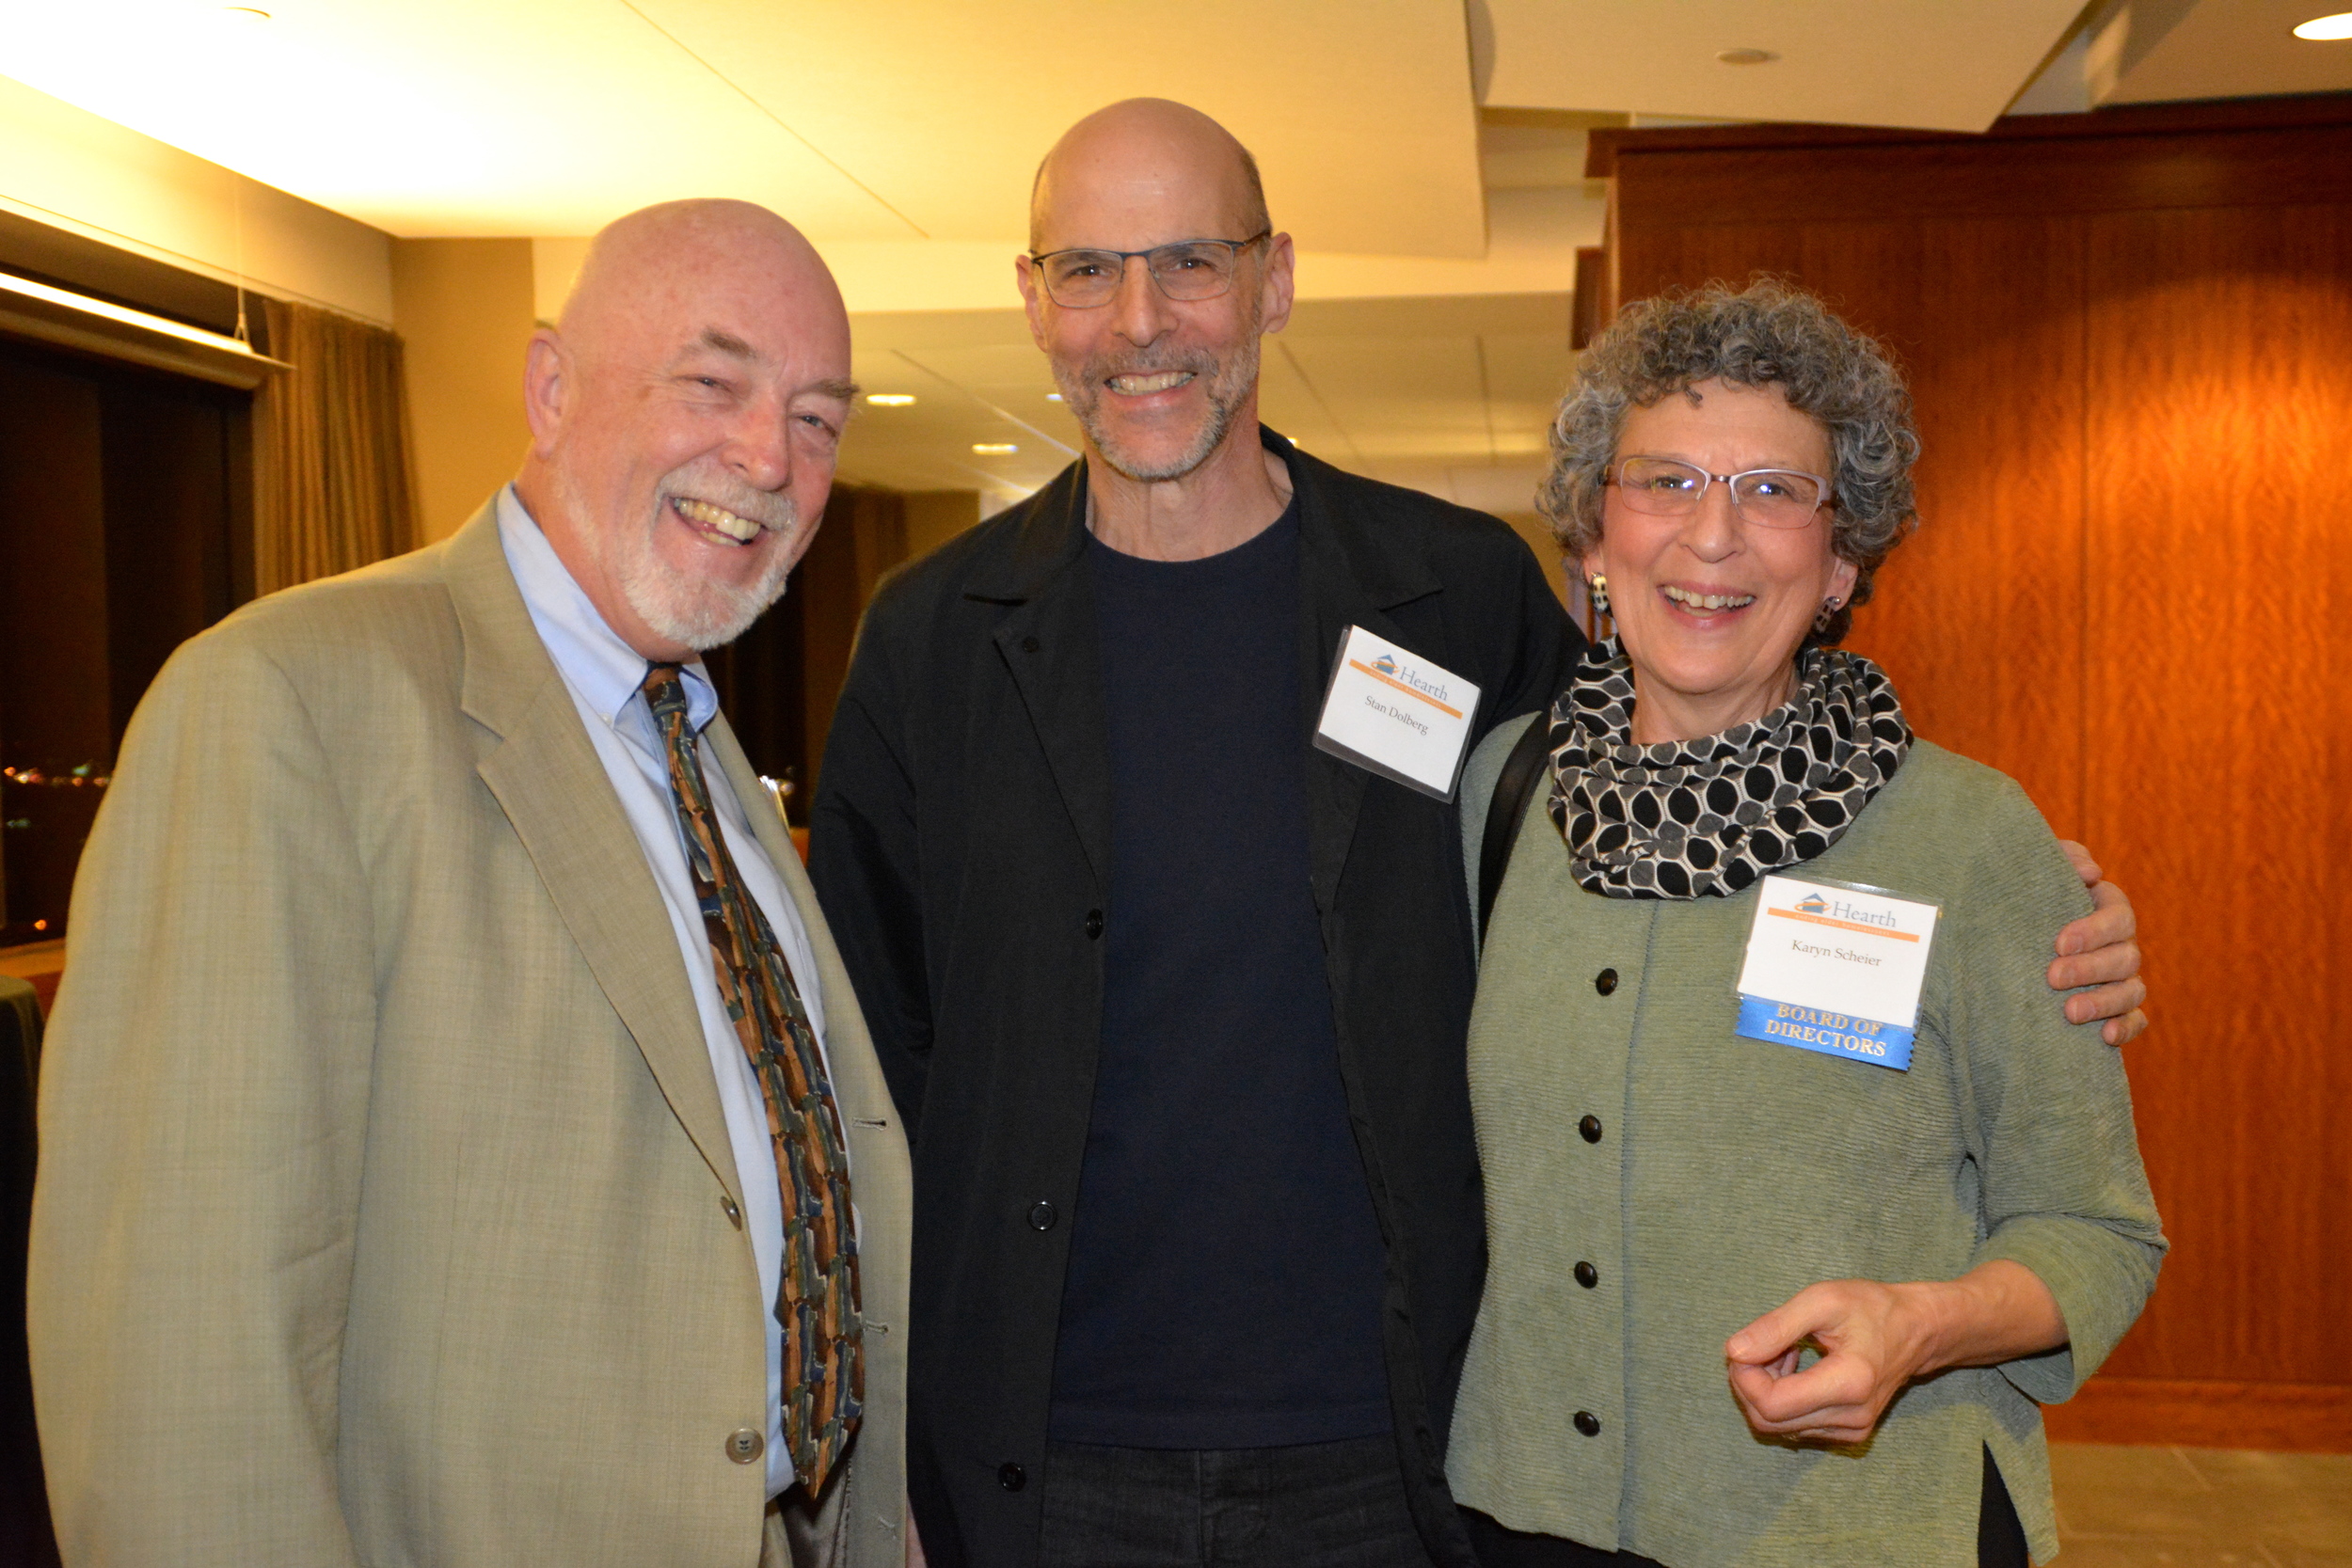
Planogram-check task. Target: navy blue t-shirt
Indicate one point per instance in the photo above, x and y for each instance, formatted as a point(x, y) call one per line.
point(1225, 1271)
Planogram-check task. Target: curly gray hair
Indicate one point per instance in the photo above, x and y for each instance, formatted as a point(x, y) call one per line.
point(1769, 333)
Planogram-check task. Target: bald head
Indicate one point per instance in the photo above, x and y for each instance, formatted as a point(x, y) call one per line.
point(643, 270)
point(1144, 160)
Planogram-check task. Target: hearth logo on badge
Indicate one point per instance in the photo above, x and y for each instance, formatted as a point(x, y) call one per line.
point(1392, 711)
point(1836, 968)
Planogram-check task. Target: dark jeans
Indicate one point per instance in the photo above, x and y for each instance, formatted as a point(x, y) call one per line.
point(2000, 1539)
point(1317, 1505)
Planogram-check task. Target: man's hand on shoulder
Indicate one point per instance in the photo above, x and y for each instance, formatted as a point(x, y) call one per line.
point(2100, 951)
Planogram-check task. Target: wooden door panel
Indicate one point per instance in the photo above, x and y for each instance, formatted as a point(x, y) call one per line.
point(2218, 544)
point(1979, 617)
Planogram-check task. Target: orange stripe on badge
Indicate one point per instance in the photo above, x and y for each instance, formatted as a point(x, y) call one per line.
point(1358, 664)
point(1843, 925)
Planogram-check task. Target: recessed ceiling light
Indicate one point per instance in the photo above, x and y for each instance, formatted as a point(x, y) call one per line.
point(1052, 397)
point(1747, 57)
point(994, 448)
point(890, 400)
point(2326, 29)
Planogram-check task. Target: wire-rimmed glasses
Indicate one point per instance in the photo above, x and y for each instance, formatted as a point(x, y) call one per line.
point(1769, 498)
point(1185, 269)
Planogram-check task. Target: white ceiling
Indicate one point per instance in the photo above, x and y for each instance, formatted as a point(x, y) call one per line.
point(1949, 65)
point(1428, 154)
point(911, 120)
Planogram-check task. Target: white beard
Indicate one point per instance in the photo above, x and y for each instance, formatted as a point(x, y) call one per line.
point(693, 612)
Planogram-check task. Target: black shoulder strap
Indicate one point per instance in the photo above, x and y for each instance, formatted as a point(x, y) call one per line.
point(1513, 787)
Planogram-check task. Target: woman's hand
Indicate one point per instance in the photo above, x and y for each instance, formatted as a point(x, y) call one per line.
point(1875, 1340)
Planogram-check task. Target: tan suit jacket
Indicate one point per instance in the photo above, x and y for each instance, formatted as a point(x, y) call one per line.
point(385, 1212)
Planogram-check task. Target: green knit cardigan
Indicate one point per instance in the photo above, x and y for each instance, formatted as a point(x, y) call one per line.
point(1698, 1179)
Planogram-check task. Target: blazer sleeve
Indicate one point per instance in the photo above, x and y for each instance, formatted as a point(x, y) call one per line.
point(203, 1109)
point(863, 860)
point(2063, 1191)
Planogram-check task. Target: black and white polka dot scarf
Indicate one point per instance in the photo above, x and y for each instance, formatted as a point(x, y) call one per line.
point(1705, 819)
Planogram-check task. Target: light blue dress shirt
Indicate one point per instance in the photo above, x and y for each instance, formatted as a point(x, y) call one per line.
point(604, 675)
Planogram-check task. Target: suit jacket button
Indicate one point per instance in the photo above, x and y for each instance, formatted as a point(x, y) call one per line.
point(1605, 982)
point(1041, 1216)
point(1588, 1424)
point(726, 1207)
point(745, 1446)
point(1587, 1276)
point(1590, 1128)
point(1012, 1476)
point(1028, 644)
point(1095, 924)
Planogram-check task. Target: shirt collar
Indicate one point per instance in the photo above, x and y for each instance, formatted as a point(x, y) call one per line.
point(608, 673)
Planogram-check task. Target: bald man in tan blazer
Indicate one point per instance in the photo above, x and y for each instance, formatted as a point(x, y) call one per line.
point(389, 1211)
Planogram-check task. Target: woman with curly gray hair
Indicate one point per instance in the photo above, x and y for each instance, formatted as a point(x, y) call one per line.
point(1798, 1198)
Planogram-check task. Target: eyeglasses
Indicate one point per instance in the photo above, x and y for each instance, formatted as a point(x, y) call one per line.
point(1188, 269)
point(1769, 498)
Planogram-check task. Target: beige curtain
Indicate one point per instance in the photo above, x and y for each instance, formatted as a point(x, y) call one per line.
point(332, 488)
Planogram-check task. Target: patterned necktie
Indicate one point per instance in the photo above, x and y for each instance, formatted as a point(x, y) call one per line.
point(824, 1374)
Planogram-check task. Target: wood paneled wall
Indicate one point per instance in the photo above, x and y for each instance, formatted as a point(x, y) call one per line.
point(2129, 336)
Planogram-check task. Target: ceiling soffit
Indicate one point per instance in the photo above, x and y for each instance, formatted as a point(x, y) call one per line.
point(2216, 49)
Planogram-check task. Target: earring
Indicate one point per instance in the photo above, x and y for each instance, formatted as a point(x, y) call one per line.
point(1829, 607)
point(1599, 588)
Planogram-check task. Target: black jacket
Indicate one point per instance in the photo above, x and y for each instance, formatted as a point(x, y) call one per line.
point(960, 844)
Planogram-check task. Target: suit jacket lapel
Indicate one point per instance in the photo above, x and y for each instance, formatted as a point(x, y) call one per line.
point(1349, 575)
point(548, 778)
point(1051, 644)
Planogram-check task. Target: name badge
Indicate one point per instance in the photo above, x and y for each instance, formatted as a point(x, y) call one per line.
point(1397, 714)
point(1837, 968)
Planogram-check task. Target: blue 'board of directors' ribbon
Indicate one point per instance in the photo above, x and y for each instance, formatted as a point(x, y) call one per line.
point(1860, 1040)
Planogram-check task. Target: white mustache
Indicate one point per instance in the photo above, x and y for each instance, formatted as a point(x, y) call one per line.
point(701, 481)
